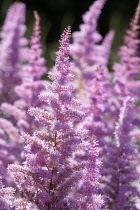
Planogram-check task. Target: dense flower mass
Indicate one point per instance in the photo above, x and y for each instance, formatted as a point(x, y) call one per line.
point(70, 142)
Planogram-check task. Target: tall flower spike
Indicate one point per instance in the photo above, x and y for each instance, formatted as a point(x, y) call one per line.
point(37, 63)
point(62, 61)
point(86, 53)
point(127, 70)
point(18, 120)
point(129, 53)
point(31, 86)
point(84, 47)
point(124, 83)
point(119, 169)
point(11, 51)
point(53, 173)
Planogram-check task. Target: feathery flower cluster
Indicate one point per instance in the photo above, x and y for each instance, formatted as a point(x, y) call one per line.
point(70, 143)
point(13, 52)
point(15, 119)
point(120, 161)
point(86, 51)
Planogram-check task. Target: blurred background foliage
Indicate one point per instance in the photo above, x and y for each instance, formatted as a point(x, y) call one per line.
point(57, 14)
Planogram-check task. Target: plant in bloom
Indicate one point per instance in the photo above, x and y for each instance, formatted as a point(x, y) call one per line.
point(31, 84)
point(125, 77)
point(119, 166)
point(61, 167)
point(70, 143)
point(87, 51)
point(15, 118)
point(13, 51)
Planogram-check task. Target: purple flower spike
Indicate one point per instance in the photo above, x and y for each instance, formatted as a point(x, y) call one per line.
point(86, 50)
point(36, 66)
point(12, 46)
point(61, 166)
point(84, 47)
point(27, 90)
point(119, 169)
point(30, 86)
point(127, 70)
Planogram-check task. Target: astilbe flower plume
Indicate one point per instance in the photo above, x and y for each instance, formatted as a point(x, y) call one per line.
point(90, 61)
point(119, 169)
point(13, 52)
point(127, 70)
point(36, 67)
point(125, 77)
point(30, 86)
point(84, 45)
point(86, 51)
point(92, 76)
point(17, 120)
point(61, 169)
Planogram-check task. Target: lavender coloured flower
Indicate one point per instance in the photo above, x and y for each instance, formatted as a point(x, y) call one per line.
point(119, 169)
point(58, 158)
point(86, 51)
point(84, 46)
point(36, 67)
point(127, 70)
point(30, 86)
point(12, 46)
point(17, 120)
